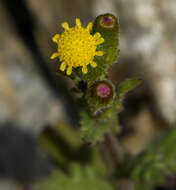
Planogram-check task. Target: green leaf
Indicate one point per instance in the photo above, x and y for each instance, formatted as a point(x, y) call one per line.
point(80, 178)
point(126, 86)
point(110, 47)
point(156, 162)
point(93, 129)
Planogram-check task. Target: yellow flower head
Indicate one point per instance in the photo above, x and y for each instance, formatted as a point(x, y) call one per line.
point(77, 47)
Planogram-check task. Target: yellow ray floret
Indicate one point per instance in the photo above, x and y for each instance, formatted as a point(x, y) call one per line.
point(77, 47)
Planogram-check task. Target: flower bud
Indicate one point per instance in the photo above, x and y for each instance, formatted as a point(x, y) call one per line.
point(100, 95)
point(107, 21)
point(103, 90)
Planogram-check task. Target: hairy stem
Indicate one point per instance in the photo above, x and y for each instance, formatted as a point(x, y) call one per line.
point(114, 148)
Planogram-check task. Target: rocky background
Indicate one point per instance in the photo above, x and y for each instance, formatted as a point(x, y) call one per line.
point(33, 96)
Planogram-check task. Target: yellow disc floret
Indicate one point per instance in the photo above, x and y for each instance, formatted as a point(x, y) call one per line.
point(77, 47)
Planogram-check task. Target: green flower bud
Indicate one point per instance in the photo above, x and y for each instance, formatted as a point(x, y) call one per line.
point(103, 90)
point(100, 95)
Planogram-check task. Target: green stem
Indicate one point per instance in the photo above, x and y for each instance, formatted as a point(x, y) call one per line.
point(114, 148)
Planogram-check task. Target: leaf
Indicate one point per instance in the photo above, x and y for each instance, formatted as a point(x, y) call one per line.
point(92, 129)
point(80, 178)
point(110, 47)
point(158, 161)
point(126, 86)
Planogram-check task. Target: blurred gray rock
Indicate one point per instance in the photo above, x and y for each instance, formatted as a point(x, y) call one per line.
point(8, 185)
point(25, 97)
